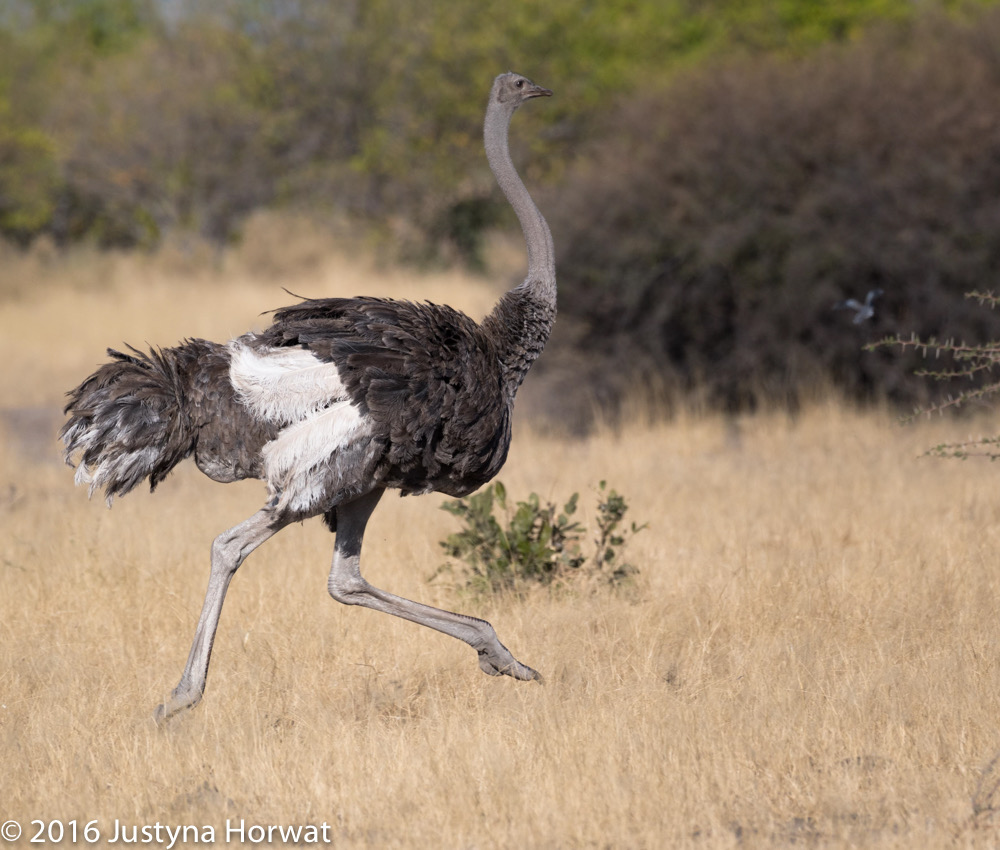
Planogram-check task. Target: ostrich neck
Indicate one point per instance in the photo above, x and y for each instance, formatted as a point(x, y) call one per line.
point(541, 278)
point(521, 322)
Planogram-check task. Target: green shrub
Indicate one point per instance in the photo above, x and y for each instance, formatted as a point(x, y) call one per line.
point(536, 544)
point(28, 179)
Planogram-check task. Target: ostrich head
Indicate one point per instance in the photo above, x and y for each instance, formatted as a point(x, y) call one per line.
point(512, 90)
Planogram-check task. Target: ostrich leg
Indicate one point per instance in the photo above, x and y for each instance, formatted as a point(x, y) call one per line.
point(229, 550)
point(347, 585)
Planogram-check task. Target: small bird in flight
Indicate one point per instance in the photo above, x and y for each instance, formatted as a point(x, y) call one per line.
point(862, 312)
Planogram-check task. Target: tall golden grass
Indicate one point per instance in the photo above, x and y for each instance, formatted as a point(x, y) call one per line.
point(809, 656)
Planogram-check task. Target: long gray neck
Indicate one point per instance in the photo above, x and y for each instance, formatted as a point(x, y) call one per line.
point(541, 278)
point(522, 320)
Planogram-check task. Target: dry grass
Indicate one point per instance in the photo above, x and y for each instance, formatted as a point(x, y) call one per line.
point(809, 657)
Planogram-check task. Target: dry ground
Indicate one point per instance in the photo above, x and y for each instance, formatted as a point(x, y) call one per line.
point(809, 656)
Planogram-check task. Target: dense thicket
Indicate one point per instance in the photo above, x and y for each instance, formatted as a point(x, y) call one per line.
point(704, 242)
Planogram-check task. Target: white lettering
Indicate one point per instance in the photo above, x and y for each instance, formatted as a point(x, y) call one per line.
point(258, 834)
point(172, 834)
point(289, 833)
point(164, 834)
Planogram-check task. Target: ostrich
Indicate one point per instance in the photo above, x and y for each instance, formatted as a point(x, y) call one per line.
point(337, 401)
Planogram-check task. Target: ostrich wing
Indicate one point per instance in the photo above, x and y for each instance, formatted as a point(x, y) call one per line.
point(425, 375)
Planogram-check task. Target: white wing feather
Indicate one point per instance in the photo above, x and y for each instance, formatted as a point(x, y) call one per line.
point(283, 385)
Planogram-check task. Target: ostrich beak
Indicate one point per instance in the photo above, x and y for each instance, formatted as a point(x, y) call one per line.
point(538, 91)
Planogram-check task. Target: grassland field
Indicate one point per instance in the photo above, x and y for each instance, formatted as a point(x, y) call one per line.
point(808, 656)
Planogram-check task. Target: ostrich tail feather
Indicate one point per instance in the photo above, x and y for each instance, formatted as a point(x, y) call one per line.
point(126, 423)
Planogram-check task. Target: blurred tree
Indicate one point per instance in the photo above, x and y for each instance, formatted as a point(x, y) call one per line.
point(28, 177)
point(85, 30)
point(28, 168)
point(165, 136)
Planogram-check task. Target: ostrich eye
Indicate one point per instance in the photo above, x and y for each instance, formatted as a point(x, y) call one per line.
point(520, 84)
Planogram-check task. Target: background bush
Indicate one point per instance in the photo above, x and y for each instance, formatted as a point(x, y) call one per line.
point(706, 240)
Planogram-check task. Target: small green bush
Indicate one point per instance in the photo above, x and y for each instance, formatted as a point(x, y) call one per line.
point(536, 544)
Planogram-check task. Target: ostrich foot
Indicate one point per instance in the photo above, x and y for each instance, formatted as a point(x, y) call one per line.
point(497, 661)
point(179, 701)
